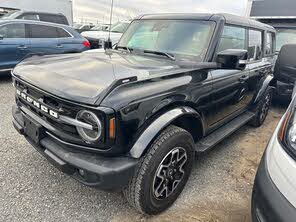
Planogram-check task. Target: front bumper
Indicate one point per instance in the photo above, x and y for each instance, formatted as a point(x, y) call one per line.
point(106, 173)
point(268, 203)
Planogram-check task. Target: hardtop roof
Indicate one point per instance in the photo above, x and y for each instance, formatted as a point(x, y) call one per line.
point(228, 18)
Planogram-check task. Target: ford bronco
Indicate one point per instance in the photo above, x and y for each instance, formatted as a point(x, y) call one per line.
point(133, 118)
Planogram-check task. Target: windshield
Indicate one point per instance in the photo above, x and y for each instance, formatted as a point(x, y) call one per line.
point(187, 39)
point(285, 36)
point(119, 27)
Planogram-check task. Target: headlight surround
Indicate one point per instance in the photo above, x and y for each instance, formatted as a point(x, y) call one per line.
point(89, 135)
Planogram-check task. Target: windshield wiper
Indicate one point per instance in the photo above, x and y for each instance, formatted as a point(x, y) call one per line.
point(168, 55)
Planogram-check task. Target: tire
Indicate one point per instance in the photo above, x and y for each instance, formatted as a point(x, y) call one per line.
point(262, 109)
point(146, 191)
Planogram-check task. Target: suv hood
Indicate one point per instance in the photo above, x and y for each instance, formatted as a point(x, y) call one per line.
point(88, 77)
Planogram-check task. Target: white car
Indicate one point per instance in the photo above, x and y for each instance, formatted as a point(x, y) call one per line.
point(97, 38)
point(274, 192)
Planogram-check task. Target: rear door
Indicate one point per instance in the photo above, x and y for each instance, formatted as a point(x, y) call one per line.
point(14, 46)
point(43, 39)
point(67, 42)
point(259, 63)
point(230, 91)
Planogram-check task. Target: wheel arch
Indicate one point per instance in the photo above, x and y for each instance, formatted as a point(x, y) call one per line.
point(269, 81)
point(184, 117)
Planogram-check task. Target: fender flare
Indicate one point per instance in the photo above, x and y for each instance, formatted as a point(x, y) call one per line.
point(157, 126)
point(263, 87)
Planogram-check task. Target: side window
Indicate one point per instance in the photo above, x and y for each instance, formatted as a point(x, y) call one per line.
point(49, 18)
point(30, 17)
point(62, 33)
point(233, 38)
point(269, 44)
point(13, 31)
point(255, 45)
point(43, 31)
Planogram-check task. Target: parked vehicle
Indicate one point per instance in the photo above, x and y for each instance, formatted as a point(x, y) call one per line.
point(275, 184)
point(64, 7)
point(37, 16)
point(82, 28)
point(133, 118)
point(280, 15)
point(97, 38)
point(22, 38)
point(100, 27)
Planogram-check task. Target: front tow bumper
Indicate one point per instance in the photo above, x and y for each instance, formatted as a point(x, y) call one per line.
point(106, 173)
point(268, 203)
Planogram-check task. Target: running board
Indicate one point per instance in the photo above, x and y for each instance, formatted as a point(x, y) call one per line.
point(218, 135)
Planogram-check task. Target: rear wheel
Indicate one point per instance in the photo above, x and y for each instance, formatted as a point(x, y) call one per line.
point(262, 109)
point(162, 173)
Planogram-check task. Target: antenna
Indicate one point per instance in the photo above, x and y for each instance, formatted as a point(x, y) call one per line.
point(108, 43)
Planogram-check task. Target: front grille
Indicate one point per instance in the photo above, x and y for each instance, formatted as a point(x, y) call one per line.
point(64, 131)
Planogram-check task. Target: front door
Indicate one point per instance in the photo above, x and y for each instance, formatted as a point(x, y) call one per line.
point(13, 45)
point(231, 93)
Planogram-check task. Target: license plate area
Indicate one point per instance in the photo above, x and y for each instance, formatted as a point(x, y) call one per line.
point(33, 130)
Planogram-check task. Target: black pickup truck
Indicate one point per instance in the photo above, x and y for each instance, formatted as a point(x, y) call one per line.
point(134, 117)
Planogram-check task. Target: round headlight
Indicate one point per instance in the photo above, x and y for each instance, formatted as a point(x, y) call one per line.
point(89, 135)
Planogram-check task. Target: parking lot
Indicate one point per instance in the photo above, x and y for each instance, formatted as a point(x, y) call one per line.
point(219, 188)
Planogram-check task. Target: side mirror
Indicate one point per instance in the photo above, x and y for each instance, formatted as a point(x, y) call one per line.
point(233, 59)
point(1, 37)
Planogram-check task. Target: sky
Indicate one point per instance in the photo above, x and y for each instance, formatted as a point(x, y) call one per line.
point(95, 11)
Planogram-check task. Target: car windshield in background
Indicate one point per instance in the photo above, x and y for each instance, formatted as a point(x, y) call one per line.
point(9, 14)
point(119, 27)
point(285, 36)
point(182, 39)
point(77, 26)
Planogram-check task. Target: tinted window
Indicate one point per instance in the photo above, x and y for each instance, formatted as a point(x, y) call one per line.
point(63, 33)
point(43, 31)
point(233, 38)
point(13, 31)
point(52, 18)
point(30, 17)
point(269, 45)
point(255, 45)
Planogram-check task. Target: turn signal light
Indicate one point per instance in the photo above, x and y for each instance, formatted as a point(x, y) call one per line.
point(112, 128)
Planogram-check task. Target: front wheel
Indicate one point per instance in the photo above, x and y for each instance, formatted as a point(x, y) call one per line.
point(162, 173)
point(262, 109)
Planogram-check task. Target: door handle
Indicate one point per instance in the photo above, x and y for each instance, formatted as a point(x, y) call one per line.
point(22, 47)
point(60, 46)
point(243, 78)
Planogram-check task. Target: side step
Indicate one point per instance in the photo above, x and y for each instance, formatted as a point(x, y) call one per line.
point(218, 135)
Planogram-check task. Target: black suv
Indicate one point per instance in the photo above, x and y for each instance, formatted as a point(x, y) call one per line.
point(134, 117)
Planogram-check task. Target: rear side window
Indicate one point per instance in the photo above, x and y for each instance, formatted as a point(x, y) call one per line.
point(269, 44)
point(13, 31)
point(59, 19)
point(30, 17)
point(62, 33)
point(43, 31)
point(255, 45)
point(233, 38)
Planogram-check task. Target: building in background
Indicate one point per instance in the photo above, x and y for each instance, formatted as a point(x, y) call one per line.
point(53, 6)
point(281, 14)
